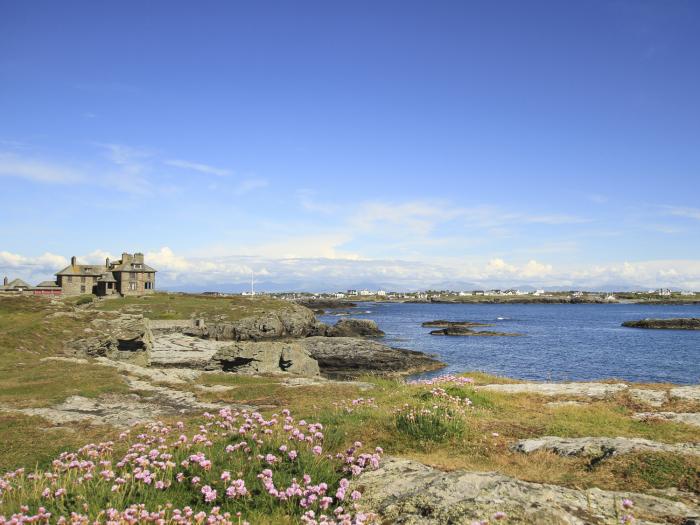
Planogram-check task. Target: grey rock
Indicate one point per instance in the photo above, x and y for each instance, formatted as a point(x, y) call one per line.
point(294, 321)
point(126, 337)
point(348, 357)
point(682, 323)
point(601, 446)
point(158, 375)
point(175, 349)
point(686, 393)
point(655, 398)
point(589, 390)
point(265, 358)
point(407, 492)
point(689, 418)
point(354, 328)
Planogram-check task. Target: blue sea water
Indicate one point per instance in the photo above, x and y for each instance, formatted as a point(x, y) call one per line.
point(560, 342)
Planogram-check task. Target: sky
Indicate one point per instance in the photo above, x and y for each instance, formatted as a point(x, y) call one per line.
point(325, 145)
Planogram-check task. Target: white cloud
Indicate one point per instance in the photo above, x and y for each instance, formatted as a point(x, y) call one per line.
point(683, 211)
point(248, 185)
point(198, 166)
point(38, 171)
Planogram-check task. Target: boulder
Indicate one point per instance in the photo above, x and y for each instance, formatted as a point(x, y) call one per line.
point(601, 446)
point(269, 357)
point(348, 357)
point(655, 398)
point(407, 492)
point(124, 338)
point(354, 328)
point(681, 323)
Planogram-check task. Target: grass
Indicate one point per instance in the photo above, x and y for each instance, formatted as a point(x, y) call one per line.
point(473, 438)
point(186, 306)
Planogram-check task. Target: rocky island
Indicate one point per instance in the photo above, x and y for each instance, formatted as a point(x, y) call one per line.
point(681, 323)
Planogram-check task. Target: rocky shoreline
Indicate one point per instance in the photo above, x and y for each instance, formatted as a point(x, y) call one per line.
point(290, 341)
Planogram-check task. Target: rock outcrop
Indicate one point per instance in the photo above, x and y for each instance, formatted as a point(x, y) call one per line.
point(354, 328)
point(683, 323)
point(348, 357)
point(407, 492)
point(600, 447)
point(292, 322)
point(467, 332)
point(452, 324)
point(265, 358)
point(124, 338)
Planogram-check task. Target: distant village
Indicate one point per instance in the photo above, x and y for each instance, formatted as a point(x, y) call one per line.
point(129, 275)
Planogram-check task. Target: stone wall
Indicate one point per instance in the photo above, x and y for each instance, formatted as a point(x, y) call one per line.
point(139, 281)
point(77, 284)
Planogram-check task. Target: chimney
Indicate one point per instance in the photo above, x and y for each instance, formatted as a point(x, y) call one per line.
point(73, 261)
point(107, 263)
point(5, 281)
point(138, 258)
point(126, 257)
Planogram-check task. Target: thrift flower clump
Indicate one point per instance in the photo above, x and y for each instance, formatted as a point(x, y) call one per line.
point(446, 378)
point(231, 465)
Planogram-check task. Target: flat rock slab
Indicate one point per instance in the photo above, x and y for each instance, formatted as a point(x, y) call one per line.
point(410, 493)
point(113, 409)
point(159, 375)
point(601, 446)
point(176, 350)
point(686, 393)
point(590, 390)
point(689, 418)
point(655, 398)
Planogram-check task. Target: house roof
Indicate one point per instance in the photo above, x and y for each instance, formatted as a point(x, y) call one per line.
point(47, 284)
point(83, 269)
point(129, 266)
point(107, 277)
point(15, 283)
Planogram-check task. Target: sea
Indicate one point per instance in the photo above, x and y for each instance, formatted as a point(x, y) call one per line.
point(559, 342)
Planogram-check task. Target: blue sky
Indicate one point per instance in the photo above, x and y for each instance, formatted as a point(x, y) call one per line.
point(326, 143)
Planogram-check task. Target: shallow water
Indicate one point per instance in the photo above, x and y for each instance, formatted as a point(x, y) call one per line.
point(560, 341)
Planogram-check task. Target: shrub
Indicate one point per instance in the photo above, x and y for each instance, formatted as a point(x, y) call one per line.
point(84, 299)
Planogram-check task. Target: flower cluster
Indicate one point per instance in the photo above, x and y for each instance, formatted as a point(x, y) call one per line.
point(233, 463)
point(447, 378)
point(360, 402)
point(443, 394)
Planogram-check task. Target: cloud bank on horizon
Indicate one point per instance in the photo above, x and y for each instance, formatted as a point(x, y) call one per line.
point(319, 274)
point(464, 145)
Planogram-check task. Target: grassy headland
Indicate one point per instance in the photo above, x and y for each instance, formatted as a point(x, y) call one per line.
point(431, 423)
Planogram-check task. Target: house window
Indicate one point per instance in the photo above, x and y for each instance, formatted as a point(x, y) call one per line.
point(132, 286)
point(70, 278)
point(82, 289)
point(147, 286)
point(82, 280)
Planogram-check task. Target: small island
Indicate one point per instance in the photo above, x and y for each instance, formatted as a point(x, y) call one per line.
point(679, 323)
point(466, 332)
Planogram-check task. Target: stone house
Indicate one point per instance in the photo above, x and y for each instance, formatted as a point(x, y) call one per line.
point(128, 276)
